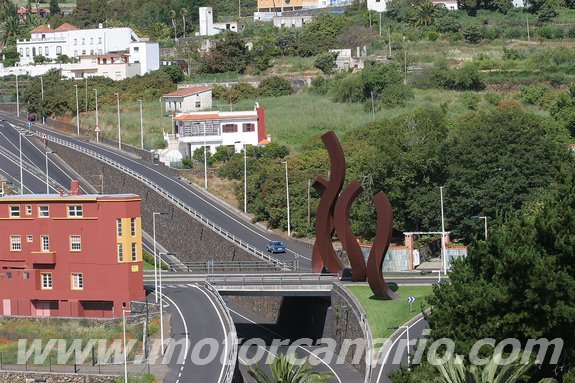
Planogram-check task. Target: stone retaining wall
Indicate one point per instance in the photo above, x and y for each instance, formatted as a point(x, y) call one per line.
point(178, 232)
point(31, 377)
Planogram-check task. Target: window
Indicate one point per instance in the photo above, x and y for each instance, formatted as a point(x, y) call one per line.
point(83, 41)
point(29, 238)
point(75, 211)
point(91, 51)
point(136, 49)
point(21, 52)
point(14, 211)
point(8, 275)
point(46, 281)
point(45, 243)
point(15, 243)
point(43, 211)
point(59, 50)
point(75, 53)
point(249, 127)
point(120, 253)
point(91, 40)
point(27, 52)
point(46, 51)
point(133, 226)
point(77, 281)
point(83, 51)
point(43, 36)
point(28, 209)
point(134, 252)
point(229, 128)
point(25, 275)
point(119, 227)
point(75, 41)
point(99, 40)
point(198, 104)
point(75, 243)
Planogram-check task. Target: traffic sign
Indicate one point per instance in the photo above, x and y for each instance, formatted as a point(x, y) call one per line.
point(411, 299)
point(97, 129)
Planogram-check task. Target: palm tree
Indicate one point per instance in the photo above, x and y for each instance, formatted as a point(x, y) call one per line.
point(425, 13)
point(184, 14)
point(286, 369)
point(10, 27)
point(173, 17)
point(455, 371)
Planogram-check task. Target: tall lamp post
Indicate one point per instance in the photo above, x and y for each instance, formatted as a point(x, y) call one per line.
point(287, 199)
point(21, 172)
point(245, 179)
point(141, 125)
point(47, 177)
point(119, 126)
point(17, 97)
point(42, 94)
point(205, 160)
point(97, 121)
point(407, 332)
point(161, 306)
point(154, 214)
point(124, 311)
point(443, 255)
point(77, 111)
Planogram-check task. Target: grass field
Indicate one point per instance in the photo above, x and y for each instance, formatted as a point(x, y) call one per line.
point(382, 315)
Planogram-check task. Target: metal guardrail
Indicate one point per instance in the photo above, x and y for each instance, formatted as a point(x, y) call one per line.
point(232, 356)
point(211, 266)
point(288, 279)
point(217, 229)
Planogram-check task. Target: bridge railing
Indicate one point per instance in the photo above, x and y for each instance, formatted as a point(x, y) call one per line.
point(276, 279)
point(211, 266)
point(232, 357)
point(219, 230)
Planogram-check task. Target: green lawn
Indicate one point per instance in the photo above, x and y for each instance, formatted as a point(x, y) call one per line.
point(384, 314)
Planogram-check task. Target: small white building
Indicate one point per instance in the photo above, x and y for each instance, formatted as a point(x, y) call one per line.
point(212, 129)
point(146, 53)
point(377, 5)
point(209, 28)
point(450, 5)
point(289, 21)
point(190, 99)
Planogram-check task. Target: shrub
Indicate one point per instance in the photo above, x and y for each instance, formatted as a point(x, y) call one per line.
point(275, 86)
point(492, 98)
point(319, 85)
point(533, 94)
point(432, 35)
point(472, 34)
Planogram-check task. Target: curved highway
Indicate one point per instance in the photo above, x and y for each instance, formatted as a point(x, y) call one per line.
point(191, 195)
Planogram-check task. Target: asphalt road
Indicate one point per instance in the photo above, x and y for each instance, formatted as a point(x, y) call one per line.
point(227, 218)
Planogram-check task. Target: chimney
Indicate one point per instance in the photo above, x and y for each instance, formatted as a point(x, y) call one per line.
point(75, 188)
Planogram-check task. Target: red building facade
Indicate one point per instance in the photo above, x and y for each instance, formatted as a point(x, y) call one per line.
point(70, 255)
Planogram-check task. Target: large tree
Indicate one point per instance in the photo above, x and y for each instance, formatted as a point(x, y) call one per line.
point(519, 284)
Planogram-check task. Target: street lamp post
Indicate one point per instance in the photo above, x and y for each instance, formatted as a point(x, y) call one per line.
point(407, 335)
point(443, 233)
point(205, 160)
point(245, 180)
point(161, 306)
point(124, 311)
point(47, 178)
point(97, 121)
point(21, 172)
point(77, 111)
point(42, 94)
point(287, 199)
point(119, 126)
point(17, 97)
point(154, 214)
point(141, 125)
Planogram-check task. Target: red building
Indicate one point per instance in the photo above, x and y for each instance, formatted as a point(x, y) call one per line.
point(70, 255)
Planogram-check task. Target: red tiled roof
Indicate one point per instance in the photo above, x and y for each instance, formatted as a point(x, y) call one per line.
point(199, 116)
point(66, 27)
point(188, 91)
point(42, 29)
point(265, 141)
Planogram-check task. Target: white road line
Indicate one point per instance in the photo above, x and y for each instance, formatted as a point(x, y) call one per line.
point(226, 345)
point(303, 348)
point(185, 331)
point(391, 348)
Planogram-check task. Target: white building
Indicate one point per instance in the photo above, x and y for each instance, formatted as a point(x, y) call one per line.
point(289, 21)
point(213, 129)
point(209, 28)
point(377, 5)
point(73, 42)
point(191, 99)
point(448, 4)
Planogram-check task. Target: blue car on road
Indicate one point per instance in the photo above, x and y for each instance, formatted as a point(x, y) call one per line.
point(276, 247)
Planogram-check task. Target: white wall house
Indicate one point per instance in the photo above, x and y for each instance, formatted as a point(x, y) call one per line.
point(448, 4)
point(377, 5)
point(213, 129)
point(288, 21)
point(191, 99)
point(146, 53)
point(209, 28)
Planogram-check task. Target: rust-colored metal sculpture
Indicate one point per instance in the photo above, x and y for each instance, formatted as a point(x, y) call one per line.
point(329, 191)
point(333, 215)
point(379, 248)
point(344, 232)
